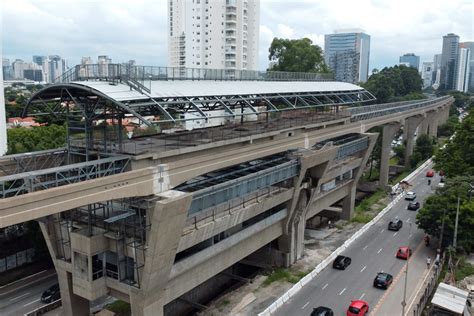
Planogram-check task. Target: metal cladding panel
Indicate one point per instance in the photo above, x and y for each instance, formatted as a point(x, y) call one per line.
point(202, 88)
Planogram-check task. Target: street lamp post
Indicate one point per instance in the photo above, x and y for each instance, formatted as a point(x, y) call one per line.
point(404, 302)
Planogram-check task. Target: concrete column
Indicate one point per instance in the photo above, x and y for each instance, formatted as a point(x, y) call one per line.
point(167, 217)
point(411, 124)
point(291, 243)
point(389, 131)
point(423, 128)
point(433, 128)
point(348, 202)
point(73, 305)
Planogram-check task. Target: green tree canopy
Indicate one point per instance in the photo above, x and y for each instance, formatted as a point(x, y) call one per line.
point(36, 138)
point(396, 83)
point(457, 158)
point(442, 205)
point(298, 55)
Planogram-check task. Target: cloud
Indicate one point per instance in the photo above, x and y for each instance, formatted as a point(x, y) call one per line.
point(137, 29)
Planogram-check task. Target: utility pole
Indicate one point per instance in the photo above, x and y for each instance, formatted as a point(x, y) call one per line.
point(456, 224)
point(404, 302)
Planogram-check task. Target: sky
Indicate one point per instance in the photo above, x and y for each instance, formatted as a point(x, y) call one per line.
point(137, 29)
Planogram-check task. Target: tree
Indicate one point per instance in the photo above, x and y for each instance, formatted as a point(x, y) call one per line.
point(442, 206)
point(457, 158)
point(448, 128)
point(36, 138)
point(299, 55)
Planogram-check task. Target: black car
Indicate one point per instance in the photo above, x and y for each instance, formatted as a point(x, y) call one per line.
point(395, 224)
point(413, 206)
point(383, 280)
point(322, 311)
point(52, 294)
point(341, 262)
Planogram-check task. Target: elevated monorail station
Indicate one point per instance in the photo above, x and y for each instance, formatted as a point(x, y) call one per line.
point(175, 183)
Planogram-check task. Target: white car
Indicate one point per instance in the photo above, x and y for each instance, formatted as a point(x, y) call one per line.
point(410, 196)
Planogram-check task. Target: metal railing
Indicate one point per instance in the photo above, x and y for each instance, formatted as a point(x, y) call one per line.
point(377, 110)
point(352, 147)
point(17, 163)
point(111, 72)
point(27, 182)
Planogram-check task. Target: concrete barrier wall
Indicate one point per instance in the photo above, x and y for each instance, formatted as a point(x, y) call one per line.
point(322, 265)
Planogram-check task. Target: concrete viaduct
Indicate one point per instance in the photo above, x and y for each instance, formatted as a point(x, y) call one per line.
point(162, 220)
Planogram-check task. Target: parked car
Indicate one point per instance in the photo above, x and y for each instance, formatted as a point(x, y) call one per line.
point(322, 311)
point(410, 196)
point(395, 224)
point(430, 173)
point(404, 253)
point(413, 206)
point(383, 280)
point(358, 308)
point(52, 294)
point(341, 262)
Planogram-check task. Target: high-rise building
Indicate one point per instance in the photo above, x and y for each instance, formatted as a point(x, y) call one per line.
point(470, 46)
point(427, 74)
point(56, 67)
point(213, 34)
point(436, 71)
point(33, 74)
point(449, 56)
point(3, 120)
point(462, 69)
point(7, 69)
point(18, 67)
point(411, 59)
point(347, 53)
point(43, 62)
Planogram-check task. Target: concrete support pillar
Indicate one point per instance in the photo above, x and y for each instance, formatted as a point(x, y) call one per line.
point(389, 131)
point(167, 217)
point(423, 128)
point(73, 305)
point(411, 124)
point(313, 165)
point(348, 203)
point(434, 121)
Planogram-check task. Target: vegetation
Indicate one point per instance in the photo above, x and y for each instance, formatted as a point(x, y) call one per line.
point(457, 158)
point(286, 275)
point(36, 138)
point(297, 55)
point(448, 128)
point(398, 83)
point(120, 308)
point(424, 149)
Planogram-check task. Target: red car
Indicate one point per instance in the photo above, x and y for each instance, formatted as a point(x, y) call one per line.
point(404, 253)
point(358, 308)
point(430, 173)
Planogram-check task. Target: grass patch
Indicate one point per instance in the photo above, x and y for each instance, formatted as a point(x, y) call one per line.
point(367, 202)
point(463, 270)
point(362, 217)
point(400, 177)
point(286, 275)
point(393, 161)
point(120, 308)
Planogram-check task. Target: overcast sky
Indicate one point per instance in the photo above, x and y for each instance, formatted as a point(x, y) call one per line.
point(136, 29)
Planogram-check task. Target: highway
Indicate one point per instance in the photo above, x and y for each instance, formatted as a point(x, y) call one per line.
point(373, 252)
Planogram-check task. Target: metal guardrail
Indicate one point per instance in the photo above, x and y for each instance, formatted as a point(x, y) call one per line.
point(113, 72)
point(27, 182)
point(321, 266)
point(45, 308)
point(377, 110)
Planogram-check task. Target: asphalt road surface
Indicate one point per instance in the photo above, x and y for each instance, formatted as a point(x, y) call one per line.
point(372, 252)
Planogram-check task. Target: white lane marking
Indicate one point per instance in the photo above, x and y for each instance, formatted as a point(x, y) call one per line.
point(381, 231)
point(325, 286)
point(395, 234)
point(305, 305)
point(31, 302)
point(363, 268)
point(365, 247)
point(12, 299)
point(342, 291)
point(408, 220)
point(409, 236)
point(379, 250)
point(362, 296)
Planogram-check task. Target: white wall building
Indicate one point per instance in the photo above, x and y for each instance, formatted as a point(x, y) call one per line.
point(462, 71)
point(427, 74)
point(3, 123)
point(213, 34)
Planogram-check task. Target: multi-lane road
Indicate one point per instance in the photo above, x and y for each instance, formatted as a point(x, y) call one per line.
point(372, 252)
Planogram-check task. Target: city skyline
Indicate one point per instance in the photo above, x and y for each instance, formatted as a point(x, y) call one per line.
point(144, 37)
